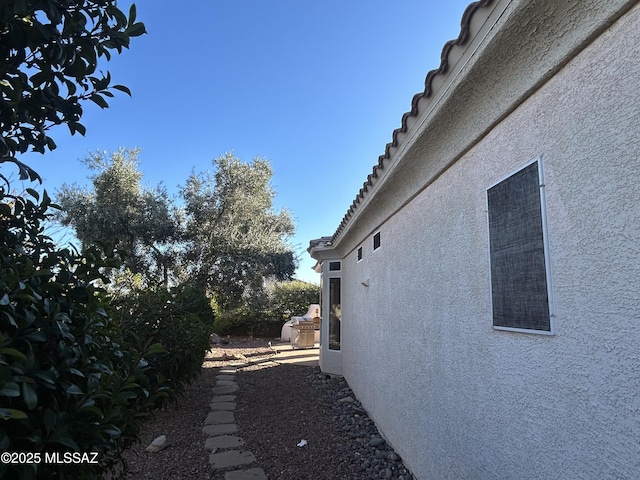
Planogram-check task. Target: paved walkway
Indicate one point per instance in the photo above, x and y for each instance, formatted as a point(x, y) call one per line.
point(227, 448)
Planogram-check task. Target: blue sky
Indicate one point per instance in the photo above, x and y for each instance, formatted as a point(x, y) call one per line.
point(316, 87)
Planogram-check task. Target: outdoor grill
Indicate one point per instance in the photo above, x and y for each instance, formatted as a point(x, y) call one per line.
point(303, 329)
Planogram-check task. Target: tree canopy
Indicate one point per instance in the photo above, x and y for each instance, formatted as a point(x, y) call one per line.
point(227, 237)
point(236, 237)
point(144, 220)
point(49, 53)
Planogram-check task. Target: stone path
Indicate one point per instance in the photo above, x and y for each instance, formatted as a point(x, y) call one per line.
point(226, 448)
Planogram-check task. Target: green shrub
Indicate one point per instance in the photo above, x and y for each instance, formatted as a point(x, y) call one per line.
point(291, 298)
point(181, 320)
point(264, 313)
point(68, 381)
point(238, 321)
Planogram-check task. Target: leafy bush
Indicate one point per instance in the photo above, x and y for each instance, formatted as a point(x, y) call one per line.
point(264, 313)
point(181, 320)
point(291, 298)
point(68, 381)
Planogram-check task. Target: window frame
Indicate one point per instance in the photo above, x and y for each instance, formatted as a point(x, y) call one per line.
point(545, 246)
point(334, 319)
point(377, 234)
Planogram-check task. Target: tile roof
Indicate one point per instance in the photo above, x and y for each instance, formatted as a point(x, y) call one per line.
point(463, 37)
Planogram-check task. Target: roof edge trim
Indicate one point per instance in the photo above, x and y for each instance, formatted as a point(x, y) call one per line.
point(463, 37)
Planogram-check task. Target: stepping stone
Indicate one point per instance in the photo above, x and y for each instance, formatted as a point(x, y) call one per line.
point(231, 458)
point(223, 441)
point(224, 398)
point(225, 383)
point(259, 361)
point(226, 377)
point(220, 429)
point(225, 389)
point(222, 406)
point(251, 474)
point(220, 416)
point(227, 371)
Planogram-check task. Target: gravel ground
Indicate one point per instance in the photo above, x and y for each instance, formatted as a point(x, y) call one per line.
point(277, 407)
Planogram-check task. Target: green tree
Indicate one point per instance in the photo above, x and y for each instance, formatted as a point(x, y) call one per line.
point(144, 220)
point(49, 53)
point(235, 237)
point(291, 298)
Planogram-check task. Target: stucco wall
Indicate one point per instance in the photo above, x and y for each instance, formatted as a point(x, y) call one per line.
point(459, 400)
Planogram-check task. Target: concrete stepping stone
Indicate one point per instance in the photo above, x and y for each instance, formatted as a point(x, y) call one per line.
point(219, 416)
point(220, 429)
point(225, 383)
point(226, 377)
point(225, 389)
point(231, 458)
point(223, 441)
point(250, 474)
point(223, 398)
point(227, 371)
point(214, 406)
point(260, 361)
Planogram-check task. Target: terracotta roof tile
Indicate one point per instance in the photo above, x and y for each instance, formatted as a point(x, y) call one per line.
point(463, 37)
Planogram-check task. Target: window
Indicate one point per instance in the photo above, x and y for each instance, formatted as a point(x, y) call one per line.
point(520, 291)
point(335, 313)
point(359, 253)
point(334, 266)
point(376, 241)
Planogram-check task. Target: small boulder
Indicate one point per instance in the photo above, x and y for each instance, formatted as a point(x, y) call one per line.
point(158, 444)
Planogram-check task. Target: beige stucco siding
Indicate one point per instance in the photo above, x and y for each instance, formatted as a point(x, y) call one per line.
point(459, 400)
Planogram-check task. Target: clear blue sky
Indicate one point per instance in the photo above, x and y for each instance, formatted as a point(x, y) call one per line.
point(316, 87)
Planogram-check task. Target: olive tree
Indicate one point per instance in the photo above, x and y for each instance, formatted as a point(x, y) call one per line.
point(117, 206)
point(235, 236)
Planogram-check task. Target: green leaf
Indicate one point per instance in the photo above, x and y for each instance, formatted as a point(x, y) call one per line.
point(33, 193)
point(12, 414)
point(29, 395)
point(13, 352)
point(122, 88)
point(74, 390)
point(132, 14)
point(156, 348)
point(10, 389)
point(98, 100)
point(136, 30)
point(112, 430)
point(51, 145)
point(36, 336)
point(77, 372)
point(77, 127)
point(46, 377)
point(50, 419)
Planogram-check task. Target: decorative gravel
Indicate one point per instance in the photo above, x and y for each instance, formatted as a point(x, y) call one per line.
point(277, 408)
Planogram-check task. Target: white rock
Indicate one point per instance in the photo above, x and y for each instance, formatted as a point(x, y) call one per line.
point(158, 444)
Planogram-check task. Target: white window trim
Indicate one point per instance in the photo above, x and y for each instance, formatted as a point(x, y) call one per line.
point(545, 245)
